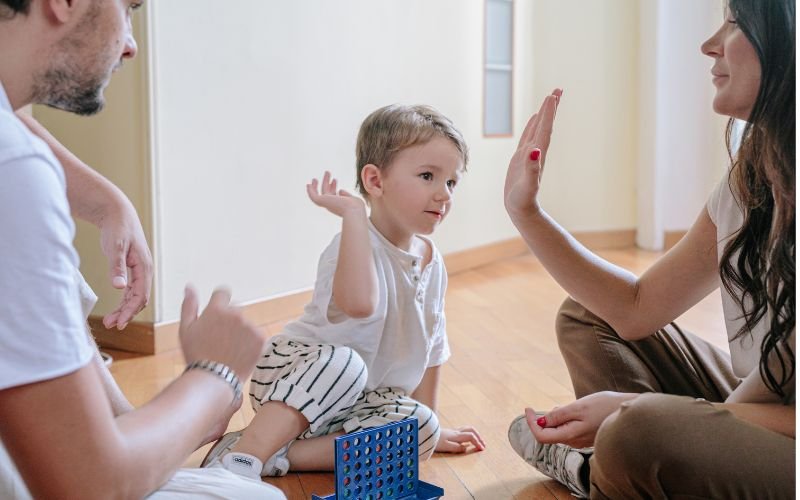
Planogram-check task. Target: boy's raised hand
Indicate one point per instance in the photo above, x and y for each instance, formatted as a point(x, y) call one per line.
point(336, 201)
point(458, 440)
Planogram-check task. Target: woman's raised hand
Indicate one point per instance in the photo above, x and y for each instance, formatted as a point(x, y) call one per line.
point(525, 169)
point(336, 201)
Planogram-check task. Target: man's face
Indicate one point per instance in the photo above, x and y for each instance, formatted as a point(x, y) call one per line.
point(83, 61)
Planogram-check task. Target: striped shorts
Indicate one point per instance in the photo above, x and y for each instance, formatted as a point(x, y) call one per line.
point(326, 384)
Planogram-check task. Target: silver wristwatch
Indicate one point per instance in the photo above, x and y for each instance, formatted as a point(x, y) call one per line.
point(221, 370)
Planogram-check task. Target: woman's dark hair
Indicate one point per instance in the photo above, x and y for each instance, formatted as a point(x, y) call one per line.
point(758, 264)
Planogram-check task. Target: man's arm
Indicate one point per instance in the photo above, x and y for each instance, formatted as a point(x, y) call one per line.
point(119, 403)
point(131, 455)
point(95, 199)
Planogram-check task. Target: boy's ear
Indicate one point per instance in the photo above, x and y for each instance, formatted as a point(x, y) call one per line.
point(371, 180)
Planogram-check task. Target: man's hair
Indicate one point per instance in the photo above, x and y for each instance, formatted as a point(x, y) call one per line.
point(391, 129)
point(10, 8)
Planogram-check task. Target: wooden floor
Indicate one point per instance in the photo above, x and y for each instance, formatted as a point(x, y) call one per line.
point(500, 321)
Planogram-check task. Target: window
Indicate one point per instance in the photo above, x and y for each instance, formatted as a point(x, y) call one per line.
point(498, 68)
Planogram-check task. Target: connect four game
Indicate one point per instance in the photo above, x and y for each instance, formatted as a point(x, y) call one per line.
point(380, 464)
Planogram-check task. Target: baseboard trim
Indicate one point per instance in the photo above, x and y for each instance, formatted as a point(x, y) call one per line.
point(149, 338)
point(465, 260)
point(606, 240)
point(672, 237)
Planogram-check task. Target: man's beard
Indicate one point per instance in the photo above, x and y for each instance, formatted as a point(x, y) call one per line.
point(70, 83)
point(65, 88)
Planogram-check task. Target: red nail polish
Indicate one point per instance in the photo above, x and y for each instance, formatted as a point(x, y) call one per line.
point(534, 156)
point(541, 422)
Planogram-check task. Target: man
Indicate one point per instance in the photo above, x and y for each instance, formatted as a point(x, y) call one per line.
point(56, 420)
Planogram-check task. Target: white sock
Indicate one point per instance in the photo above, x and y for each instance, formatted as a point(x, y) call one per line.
point(243, 464)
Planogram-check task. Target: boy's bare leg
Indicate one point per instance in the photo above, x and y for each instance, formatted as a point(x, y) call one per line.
point(274, 425)
point(314, 454)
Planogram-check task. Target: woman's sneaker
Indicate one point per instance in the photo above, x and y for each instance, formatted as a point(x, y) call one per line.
point(242, 463)
point(558, 461)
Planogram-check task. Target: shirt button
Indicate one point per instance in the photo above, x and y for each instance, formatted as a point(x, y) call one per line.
point(414, 263)
point(416, 278)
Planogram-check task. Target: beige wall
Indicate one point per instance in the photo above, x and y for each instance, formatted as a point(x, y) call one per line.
point(589, 49)
point(249, 103)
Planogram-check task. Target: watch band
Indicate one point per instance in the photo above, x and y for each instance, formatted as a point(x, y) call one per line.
point(221, 370)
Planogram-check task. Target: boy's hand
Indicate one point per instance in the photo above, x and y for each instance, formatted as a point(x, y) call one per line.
point(338, 202)
point(458, 440)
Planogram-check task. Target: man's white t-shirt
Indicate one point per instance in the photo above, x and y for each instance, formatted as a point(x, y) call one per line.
point(404, 336)
point(42, 321)
point(43, 298)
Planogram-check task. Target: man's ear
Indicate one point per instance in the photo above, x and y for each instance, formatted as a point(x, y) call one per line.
point(371, 180)
point(61, 11)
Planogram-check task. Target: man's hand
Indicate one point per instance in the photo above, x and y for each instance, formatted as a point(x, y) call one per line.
point(130, 263)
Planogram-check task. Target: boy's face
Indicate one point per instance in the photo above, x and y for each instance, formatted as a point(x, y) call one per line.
point(417, 187)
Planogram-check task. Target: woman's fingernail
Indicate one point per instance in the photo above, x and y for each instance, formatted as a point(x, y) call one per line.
point(541, 421)
point(534, 156)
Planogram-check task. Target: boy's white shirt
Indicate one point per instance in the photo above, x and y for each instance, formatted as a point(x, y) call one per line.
point(404, 336)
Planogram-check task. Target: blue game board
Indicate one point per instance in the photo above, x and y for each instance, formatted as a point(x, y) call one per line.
point(381, 463)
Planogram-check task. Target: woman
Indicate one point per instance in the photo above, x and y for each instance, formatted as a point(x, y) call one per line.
point(712, 424)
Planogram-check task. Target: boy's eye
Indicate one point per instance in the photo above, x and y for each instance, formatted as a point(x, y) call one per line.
point(135, 6)
point(451, 183)
point(426, 176)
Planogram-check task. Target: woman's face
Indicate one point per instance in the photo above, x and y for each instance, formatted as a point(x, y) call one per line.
point(736, 72)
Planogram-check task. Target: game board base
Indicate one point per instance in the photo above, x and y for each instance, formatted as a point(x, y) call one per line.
point(425, 491)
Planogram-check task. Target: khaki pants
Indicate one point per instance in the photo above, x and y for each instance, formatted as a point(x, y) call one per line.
point(667, 444)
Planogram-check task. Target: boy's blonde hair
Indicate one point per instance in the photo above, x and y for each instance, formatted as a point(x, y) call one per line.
point(389, 130)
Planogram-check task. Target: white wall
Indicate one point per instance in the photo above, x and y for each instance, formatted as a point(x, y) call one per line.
point(681, 147)
point(244, 105)
point(252, 102)
point(589, 49)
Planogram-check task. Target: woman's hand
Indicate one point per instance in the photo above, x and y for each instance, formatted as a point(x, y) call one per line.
point(576, 424)
point(338, 202)
point(220, 333)
point(525, 169)
point(458, 440)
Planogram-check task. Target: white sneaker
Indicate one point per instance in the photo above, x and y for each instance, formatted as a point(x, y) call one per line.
point(558, 461)
point(278, 464)
point(243, 463)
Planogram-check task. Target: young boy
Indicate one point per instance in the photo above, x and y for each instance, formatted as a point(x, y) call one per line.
point(368, 347)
